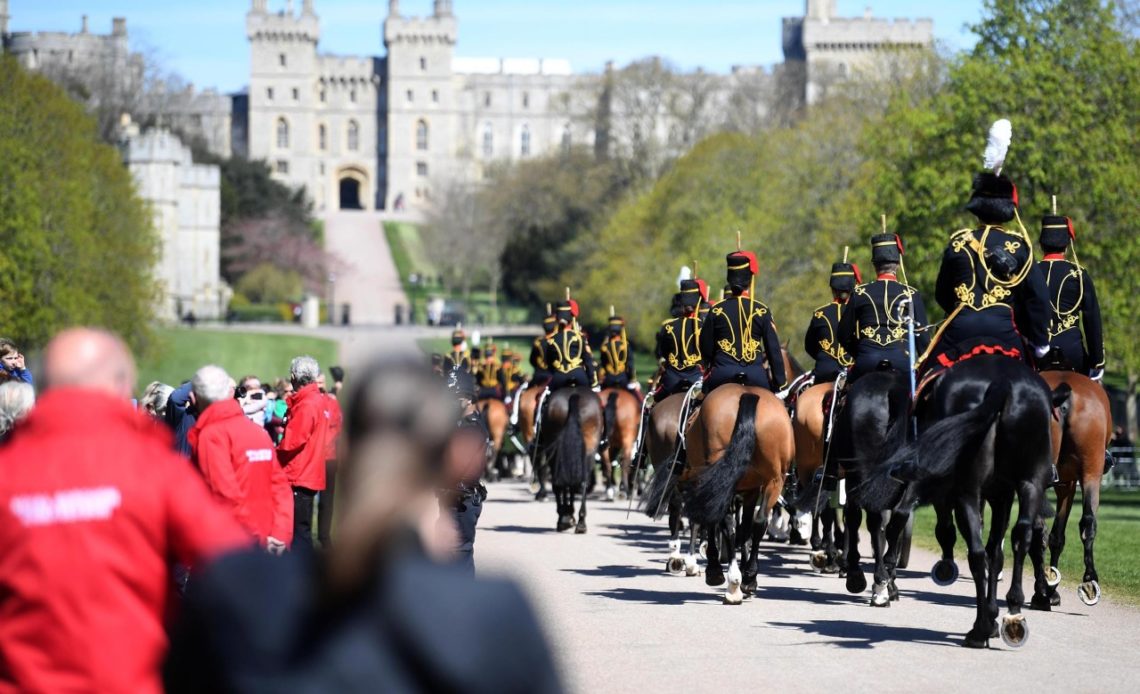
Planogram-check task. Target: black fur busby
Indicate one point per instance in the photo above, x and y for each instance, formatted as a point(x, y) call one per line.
point(677, 307)
point(742, 267)
point(550, 323)
point(692, 293)
point(886, 248)
point(993, 198)
point(476, 354)
point(1056, 232)
point(844, 277)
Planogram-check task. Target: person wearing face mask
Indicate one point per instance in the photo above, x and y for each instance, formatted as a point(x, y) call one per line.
point(251, 395)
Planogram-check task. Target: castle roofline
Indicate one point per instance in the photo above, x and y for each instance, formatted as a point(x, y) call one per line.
point(511, 66)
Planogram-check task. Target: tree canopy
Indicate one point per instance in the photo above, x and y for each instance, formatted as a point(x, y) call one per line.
point(79, 244)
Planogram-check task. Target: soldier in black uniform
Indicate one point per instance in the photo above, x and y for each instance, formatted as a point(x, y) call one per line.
point(617, 367)
point(1072, 299)
point(739, 335)
point(465, 501)
point(567, 353)
point(509, 376)
point(487, 375)
point(457, 358)
point(678, 342)
point(873, 329)
point(992, 291)
point(822, 339)
point(538, 352)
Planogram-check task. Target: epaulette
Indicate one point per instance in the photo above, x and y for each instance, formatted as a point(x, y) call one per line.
point(667, 322)
point(817, 310)
point(960, 232)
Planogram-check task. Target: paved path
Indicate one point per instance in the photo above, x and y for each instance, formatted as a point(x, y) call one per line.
point(619, 623)
point(368, 280)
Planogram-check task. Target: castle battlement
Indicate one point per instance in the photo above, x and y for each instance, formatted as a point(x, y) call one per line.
point(862, 30)
point(282, 25)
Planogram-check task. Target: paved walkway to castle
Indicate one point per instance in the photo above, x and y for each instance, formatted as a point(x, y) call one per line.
point(619, 623)
point(367, 279)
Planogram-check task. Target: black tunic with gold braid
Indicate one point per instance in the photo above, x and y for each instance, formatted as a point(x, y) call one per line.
point(567, 355)
point(617, 367)
point(679, 351)
point(737, 337)
point(487, 379)
point(822, 342)
point(873, 328)
point(1073, 308)
point(994, 294)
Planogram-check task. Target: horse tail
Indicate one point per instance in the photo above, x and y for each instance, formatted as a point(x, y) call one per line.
point(610, 417)
point(570, 461)
point(659, 487)
point(707, 500)
point(935, 455)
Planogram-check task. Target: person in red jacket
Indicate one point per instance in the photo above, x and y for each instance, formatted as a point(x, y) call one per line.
point(304, 445)
point(326, 498)
point(238, 462)
point(94, 507)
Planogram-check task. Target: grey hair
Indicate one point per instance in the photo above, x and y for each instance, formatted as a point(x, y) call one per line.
point(304, 370)
point(156, 396)
point(16, 400)
point(211, 384)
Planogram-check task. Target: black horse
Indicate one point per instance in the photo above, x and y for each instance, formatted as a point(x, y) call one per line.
point(872, 426)
point(568, 441)
point(985, 438)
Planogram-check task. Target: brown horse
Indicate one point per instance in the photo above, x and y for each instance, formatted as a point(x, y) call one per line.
point(528, 405)
point(497, 417)
point(809, 424)
point(740, 443)
point(1079, 442)
point(569, 439)
point(662, 495)
point(622, 416)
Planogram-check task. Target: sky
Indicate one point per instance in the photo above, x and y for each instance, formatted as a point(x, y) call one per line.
point(204, 40)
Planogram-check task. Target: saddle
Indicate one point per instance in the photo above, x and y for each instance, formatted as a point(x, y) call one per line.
point(1054, 360)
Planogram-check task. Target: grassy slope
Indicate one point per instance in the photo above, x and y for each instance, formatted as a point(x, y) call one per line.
point(182, 351)
point(1117, 548)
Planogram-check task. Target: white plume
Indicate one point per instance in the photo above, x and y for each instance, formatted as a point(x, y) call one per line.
point(685, 274)
point(997, 144)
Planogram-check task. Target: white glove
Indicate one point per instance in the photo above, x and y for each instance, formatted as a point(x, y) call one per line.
point(1096, 374)
point(1040, 352)
point(274, 546)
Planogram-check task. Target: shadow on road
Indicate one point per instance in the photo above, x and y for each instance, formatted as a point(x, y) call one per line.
point(816, 597)
point(864, 635)
point(615, 571)
point(655, 597)
point(525, 529)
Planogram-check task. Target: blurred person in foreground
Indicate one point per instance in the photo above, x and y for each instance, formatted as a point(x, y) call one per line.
point(93, 510)
point(304, 445)
point(326, 498)
point(376, 613)
point(238, 462)
point(155, 399)
point(16, 400)
point(467, 456)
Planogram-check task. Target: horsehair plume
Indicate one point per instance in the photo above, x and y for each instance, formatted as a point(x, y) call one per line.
point(997, 145)
point(684, 274)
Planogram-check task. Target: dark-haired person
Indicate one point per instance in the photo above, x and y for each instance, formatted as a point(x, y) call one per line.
point(1072, 301)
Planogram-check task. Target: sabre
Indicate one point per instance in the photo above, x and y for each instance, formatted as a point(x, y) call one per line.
point(908, 304)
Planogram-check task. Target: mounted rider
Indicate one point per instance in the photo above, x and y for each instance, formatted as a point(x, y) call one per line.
point(567, 352)
point(821, 341)
point(510, 378)
point(617, 366)
point(487, 375)
point(1073, 303)
point(457, 357)
point(993, 293)
point(873, 327)
point(678, 342)
point(739, 335)
point(538, 351)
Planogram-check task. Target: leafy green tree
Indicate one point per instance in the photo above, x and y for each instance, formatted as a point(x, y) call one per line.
point(79, 244)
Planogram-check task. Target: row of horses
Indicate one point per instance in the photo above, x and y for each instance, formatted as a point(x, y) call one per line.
point(987, 431)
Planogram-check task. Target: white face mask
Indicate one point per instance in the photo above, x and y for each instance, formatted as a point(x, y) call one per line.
point(250, 406)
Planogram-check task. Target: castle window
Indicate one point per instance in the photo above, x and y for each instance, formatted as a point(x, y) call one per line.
point(269, 93)
point(435, 96)
point(323, 137)
point(296, 94)
point(487, 99)
point(567, 138)
point(282, 134)
point(411, 96)
point(526, 100)
point(324, 96)
point(422, 135)
point(421, 169)
point(282, 166)
point(352, 96)
point(524, 141)
point(353, 136)
point(423, 63)
point(281, 60)
point(488, 141)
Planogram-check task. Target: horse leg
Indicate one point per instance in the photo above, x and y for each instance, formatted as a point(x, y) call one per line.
point(879, 596)
point(856, 581)
point(714, 574)
point(750, 541)
point(675, 564)
point(894, 538)
point(691, 560)
point(1065, 494)
point(608, 473)
point(945, 570)
point(580, 529)
point(1090, 586)
point(830, 518)
point(999, 523)
point(816, 541)
point(733, 595)
point(1014, 629)
point(967, 513)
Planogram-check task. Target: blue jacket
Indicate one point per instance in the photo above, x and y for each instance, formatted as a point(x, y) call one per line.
point(21, 374)
point(181, 417)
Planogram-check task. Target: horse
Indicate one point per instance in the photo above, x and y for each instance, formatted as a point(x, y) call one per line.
point(496, 417)
point(985, 435)
point(740, 443)
point(1079, 441)
point(622, 416)
point(569, 439)
point(808, 426)
point(528, 406)
point(661, 438)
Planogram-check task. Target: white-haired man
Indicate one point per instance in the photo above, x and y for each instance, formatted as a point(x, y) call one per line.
point(238, 462)
point(302, 448)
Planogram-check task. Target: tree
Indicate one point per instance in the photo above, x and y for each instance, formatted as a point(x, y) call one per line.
point(79, 244)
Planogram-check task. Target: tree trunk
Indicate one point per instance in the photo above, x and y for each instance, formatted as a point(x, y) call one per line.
point(1130, 405)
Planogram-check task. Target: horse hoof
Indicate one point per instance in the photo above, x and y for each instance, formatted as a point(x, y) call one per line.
point(691, 568)
point(1040, 602)
point(622, 496)
point(580, 529)
point(944, 572)
point(749, 587)
point(1014, 630)
point(893, 591)
point(1052, 576)
point(1054, 598)
point(856, 582)
point(675, 565)
point(541, 495)
point(563, 523)
point(972, 641)
point(610, 493)
point(818, 561)
point(714, 577)
point(879, 596)
point(831, 569)
point(1089, 592)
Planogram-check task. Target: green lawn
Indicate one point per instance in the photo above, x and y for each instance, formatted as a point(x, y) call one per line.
point(181, 351)
point(1117, 547)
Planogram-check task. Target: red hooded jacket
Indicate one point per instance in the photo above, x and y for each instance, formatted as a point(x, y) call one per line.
point(239, 464)
point(303, 447)
point(94, 505)
point(336, 420)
